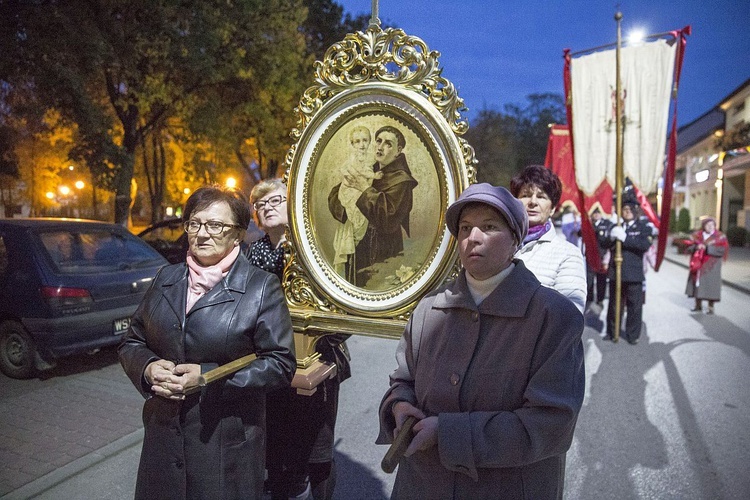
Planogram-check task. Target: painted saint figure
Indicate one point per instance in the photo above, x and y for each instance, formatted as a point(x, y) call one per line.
point(386, 203)
point(353, 230)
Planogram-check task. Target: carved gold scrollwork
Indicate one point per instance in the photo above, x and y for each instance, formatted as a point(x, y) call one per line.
point(379, 77)
point(387, 56)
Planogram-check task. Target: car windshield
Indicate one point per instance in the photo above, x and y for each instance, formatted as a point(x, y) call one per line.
point(94, 251)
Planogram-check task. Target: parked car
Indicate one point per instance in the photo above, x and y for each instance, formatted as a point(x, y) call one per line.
point(167, 237)
point(67, 286)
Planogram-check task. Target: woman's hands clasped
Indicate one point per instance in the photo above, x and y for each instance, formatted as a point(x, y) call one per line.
point(425, 431)
point(169, 380)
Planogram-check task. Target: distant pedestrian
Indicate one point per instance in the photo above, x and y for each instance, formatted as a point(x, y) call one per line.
point(709, 248)
point(598, 277)
point(635, 236)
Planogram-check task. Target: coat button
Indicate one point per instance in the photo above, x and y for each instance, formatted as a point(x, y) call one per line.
point(179, 465)
point(475, 316)
point(455, 378)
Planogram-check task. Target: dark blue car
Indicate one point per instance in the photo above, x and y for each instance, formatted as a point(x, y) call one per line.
point(67, 286)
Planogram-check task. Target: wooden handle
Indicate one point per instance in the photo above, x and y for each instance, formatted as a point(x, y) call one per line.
point(397, 449)
point(221, 372)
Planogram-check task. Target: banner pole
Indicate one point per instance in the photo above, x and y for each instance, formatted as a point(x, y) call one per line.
point(619, 181)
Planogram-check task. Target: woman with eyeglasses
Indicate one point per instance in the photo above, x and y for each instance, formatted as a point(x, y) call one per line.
point(198, 315)
point(299, 428)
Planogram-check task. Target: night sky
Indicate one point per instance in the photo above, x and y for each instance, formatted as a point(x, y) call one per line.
point(498, 52)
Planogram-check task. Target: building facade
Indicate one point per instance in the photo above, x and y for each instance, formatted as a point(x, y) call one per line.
point(708, 179)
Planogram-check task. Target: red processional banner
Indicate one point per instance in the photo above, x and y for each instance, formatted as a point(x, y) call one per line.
point(559, 159)
point(651, 74)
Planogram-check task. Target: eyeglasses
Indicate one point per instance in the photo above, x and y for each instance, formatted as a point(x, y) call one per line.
point(273, 201)
point(213, 227)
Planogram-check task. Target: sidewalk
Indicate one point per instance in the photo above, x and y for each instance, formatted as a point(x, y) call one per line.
point(735, 272)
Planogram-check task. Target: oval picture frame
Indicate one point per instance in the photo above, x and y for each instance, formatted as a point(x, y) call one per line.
point(351, 180)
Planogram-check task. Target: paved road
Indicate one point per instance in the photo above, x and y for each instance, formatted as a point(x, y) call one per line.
point(665, 419)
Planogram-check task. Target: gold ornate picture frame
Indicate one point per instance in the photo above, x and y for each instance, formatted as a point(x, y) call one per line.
point(377, 161)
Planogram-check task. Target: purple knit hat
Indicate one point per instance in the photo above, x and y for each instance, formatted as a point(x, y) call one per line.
point(498, 198)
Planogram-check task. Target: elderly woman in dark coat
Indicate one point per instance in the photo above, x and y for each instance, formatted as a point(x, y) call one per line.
point(299, 428)
point(199, 315)
point(491, 365)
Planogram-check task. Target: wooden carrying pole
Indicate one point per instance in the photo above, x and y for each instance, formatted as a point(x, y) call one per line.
point(221, 372)
point(397, 449)
point(619, 181)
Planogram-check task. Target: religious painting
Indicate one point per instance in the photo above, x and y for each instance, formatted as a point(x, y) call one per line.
point(374, 203)
point(375, 166)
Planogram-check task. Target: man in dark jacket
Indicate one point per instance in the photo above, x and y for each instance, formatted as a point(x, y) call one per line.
point(598, 278)
point(386, 204)
point(635, 236)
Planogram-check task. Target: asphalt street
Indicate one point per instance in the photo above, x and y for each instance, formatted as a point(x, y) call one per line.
point(665, 419)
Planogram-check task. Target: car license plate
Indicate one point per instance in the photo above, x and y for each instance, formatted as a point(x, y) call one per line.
point(121, 326)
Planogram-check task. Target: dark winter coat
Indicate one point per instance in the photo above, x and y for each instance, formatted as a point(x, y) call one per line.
point(506, 380)
point(211, 445)
point(637, 242)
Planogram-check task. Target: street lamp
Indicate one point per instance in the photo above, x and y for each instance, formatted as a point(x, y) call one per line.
point(231, 182)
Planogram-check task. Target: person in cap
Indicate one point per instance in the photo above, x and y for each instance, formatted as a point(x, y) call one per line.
point(554, 261)
point(708, 248)
point(635, 236)
point(492, 366)
point(598, 277)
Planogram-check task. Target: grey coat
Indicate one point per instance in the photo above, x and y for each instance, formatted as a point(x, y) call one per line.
point(506, 380)
point(211, 445)
point(706, 284)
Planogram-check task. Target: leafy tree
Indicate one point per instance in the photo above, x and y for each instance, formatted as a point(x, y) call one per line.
point(683, 220)
point(119, 70)
point(255, 131)
point(326, 24)
point(737, 137)
point(506, 142)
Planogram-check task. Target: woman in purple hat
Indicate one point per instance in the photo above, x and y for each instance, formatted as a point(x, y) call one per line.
point(492, 367)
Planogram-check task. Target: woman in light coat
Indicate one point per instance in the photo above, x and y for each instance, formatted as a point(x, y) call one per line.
point(491, 365)
point(198, 315)
point(554, 261)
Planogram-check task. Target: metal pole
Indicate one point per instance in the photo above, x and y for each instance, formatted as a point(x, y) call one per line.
point(619, 181)
point(374, 16)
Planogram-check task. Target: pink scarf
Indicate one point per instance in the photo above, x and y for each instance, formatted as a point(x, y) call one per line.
point(201, 279)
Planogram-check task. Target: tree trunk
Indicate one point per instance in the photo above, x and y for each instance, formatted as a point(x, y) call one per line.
point(123, 200)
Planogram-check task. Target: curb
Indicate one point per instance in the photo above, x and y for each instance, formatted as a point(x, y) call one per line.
point(57, 476)
point(725, 282)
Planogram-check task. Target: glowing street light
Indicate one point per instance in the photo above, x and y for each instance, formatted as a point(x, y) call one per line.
point(79, 185)
point(64, 190)
point(50, 195)
point(231, 182)
point(636, 36)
